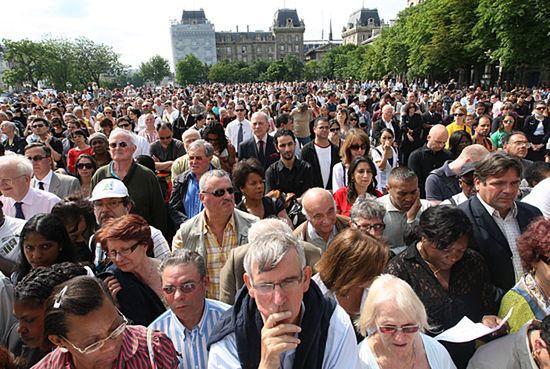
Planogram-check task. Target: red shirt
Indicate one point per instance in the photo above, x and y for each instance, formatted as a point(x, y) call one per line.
point(343, 207)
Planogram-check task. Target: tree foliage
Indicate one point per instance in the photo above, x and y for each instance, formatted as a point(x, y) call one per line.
point(155, 69)
point(190, 70)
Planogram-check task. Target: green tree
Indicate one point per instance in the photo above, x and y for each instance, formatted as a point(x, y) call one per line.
point(190, 70)
point(93, 61)
point(312, 70)
point(277, 71)
point(62, 63)
point(28, 60)
point(294, 67)
point(155, 69)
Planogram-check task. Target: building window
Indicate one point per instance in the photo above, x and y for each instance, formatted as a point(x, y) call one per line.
point(297, 38)
point(289, 22)
point(282, 47)
point(371, 20)
point(297, 48)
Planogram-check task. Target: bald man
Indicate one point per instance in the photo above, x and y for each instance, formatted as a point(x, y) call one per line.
point(442, 183)
point(322, 223)
point(431, 156)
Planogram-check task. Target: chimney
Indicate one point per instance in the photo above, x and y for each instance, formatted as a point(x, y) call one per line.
point(247, 28)
point(237, 28)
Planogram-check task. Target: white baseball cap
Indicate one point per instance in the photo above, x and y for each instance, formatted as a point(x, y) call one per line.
point(109, 188)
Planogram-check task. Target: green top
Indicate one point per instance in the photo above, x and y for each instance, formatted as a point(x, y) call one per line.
point(521, 314)
point(496, 138)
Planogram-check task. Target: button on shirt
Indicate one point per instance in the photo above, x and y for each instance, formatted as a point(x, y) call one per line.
point(191, 343)
point(232, 131)
point(510, 229)
point(34, 202)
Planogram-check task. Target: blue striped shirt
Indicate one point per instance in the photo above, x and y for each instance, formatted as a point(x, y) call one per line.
point(191, 344)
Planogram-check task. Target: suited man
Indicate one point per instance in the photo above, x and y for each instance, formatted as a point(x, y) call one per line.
point(231, 275)
point(261, 145)
point(430, 119)
point(43, 176)
point(321, 154)
point(12, 141)
point(537, 130)
point(497, 218)
point(387, 120)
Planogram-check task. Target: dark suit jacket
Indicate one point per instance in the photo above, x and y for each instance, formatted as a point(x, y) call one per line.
point(530, 127)
point(231, 275)
point(248, 149)
point(379, 125)
point(488, 239)
point(310, 155)
point(17, 146)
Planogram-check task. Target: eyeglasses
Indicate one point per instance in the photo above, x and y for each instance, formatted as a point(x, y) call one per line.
point(392, 329)
point(508, 121)
point(210, 118)
point(521, 143)
point(459, 115)
point(99, 344)
point(357, 147)
point(109, 205)
point(124, 252)
point(121, 144)
point(545, 259)
point(369, 227)
point(123, 125)
point(37, 157)
point(334, 129)
point(109, 112)
point(40, 125)
point(221, 192)
point(85, 165)
point(165, 138)
point(239, 109)
point(539, 108)
point(269, 288)
point(9, 181)
point(187, 287)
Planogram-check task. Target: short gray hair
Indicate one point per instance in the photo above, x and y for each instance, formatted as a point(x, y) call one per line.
point(207, 146)
point(218, 173)
point(128, 133)
point(265, 226)
point(267, 251)
point(10, 125)
point(23, 165)
point(184, 257)
point(367, 207)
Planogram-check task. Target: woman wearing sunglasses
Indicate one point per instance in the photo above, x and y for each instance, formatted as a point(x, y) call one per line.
point(459, 123)
point(451, 280)
point(89, 331)
point(357, 143)
point(134, 279)
point(506, 126)
point(85, 169)
point(395, 320)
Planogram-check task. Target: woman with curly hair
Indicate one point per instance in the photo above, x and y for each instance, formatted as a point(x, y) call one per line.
point(226, 152)
point(362, 180)
point(529, 297)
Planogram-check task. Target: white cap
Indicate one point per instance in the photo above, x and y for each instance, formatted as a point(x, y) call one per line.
point(109, 188)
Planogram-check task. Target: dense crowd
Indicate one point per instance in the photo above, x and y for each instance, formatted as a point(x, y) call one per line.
point(274, 225)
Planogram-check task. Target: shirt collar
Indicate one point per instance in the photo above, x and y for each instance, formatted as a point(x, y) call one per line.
point(46, 180)
point(513, 212)
point(264, 139)
point(205, 228)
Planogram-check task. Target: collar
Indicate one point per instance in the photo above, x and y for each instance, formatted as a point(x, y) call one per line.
point(264, 139)
point(313, 235)
point(46, 180)
point(204, 224)
point(513, 212)
point(201, 327)
point(386, 201)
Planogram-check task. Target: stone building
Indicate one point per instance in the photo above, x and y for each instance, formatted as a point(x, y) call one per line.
point(362, 25)
point(195, 35)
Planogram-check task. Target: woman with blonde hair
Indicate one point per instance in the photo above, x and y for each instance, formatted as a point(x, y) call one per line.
point(395, 320)
point(348, 267)
point(357, 143)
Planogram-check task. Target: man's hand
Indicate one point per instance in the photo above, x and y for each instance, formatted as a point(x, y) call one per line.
point(413, 211)
point(276, 339)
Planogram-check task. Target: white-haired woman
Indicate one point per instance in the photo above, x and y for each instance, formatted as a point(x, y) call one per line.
point(394, 319)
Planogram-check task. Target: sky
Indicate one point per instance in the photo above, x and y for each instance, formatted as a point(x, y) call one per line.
point(137, 30)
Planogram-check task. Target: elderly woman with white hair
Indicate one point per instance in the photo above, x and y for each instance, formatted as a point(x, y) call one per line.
point(394, 319)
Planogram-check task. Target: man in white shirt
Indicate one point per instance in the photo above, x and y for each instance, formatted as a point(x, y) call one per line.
point(19, 199)
point(10, 229)
point(240, 129)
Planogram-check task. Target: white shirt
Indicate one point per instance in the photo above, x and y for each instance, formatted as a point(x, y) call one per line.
point(9, 238)
point(142, 146)
point(317, 240)
point(34, 202)
point(540, 197)
point(339, 176)
point(324, 156)
point(232, 131)
point(340, 347)
point(46, 181)
point(383, 175)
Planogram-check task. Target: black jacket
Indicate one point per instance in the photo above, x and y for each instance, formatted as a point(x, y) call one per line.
point(310, 155)
point(248, 149)
point(488, 239)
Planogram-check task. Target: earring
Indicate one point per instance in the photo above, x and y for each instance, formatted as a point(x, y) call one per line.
point(63, 349)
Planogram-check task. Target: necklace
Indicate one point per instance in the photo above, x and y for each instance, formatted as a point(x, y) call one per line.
point(432, 267)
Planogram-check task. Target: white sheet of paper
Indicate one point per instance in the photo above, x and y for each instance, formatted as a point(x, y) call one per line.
point(466, 330)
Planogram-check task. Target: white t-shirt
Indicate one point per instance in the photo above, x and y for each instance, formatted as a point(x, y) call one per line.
point(9, 238)
point(324, 156)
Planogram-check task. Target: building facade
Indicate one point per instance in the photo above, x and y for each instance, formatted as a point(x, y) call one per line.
point(363, 25)
point(195, 35)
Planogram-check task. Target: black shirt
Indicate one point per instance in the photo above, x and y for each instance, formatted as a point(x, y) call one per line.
point(470, 294)
point(423, 160)
point(297, 180)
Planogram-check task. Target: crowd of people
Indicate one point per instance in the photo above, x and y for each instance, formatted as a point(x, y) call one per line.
point(274, 225)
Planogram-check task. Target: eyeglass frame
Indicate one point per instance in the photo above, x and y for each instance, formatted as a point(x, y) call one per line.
point(369, 227)
point(124, 252)
point(284, 285)
point(394, 329)
point(110, 205)
point(217, 193)
point(9, 181)
point(181, 287)
point(114, 334)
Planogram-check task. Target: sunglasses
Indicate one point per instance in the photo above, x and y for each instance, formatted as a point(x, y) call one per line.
point(37, 157)
point(392, 329)
point(165, 138)
point(124, 125)
point(357, 147)
point(545, 259)
point(459, 115)
point(122, 144)
point(540, 108)
point(85, 165)
point(239, 109)
point(334, 129)
point(38, 125)
point(221, 192)
point(187, 287)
